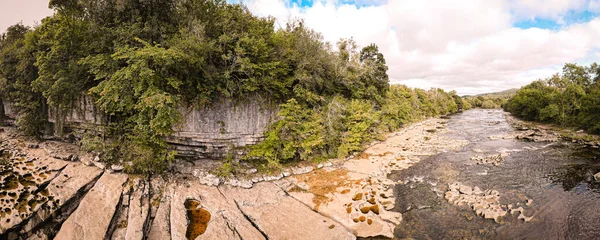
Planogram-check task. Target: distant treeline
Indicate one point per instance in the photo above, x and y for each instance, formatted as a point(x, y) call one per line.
point(140, 60)
point(570, 98)
point(489, 100)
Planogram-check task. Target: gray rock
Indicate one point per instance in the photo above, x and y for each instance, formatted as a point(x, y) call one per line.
point(33, 146)
point(274, 177)
point(99, 165)
point(117, 168)
point(257, 179)
point(209, 179)
point(239, 183)
point(302, 170)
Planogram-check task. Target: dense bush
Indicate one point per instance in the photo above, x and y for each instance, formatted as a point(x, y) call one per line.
point(141, 60)
point(571, 98)
point(344, 126)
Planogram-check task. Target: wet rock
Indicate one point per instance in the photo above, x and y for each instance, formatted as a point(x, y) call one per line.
point(92, 218)
point(484, 203)
point(495, 159)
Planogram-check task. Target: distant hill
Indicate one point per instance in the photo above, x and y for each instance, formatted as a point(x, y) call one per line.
point(506, 93)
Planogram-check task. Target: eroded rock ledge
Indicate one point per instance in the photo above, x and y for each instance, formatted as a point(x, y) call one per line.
point(50, 190)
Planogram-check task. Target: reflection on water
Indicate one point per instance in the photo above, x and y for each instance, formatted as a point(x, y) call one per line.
point(553, 182)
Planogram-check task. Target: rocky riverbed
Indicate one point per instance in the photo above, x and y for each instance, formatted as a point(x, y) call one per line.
point(514, 180)
point(472, 175)
point(51, 190)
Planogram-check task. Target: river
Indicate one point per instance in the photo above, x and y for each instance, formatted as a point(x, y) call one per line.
point(551, 183)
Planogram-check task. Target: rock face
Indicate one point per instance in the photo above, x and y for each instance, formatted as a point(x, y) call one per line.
point(210, 132)
point(93, 217)
point(205, 133)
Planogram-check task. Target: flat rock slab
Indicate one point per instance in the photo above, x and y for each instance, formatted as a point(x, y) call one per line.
point(92, 218)
point(280, 216)
point(64, 188)
point(139, 208)
point(226, 220)
point(23, 182)
point(160, 228)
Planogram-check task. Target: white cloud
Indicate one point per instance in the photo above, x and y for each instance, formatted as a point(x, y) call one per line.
point(468, 45)
point(27, 11)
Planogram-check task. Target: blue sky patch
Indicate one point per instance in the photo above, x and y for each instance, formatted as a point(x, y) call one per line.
point(553, 24)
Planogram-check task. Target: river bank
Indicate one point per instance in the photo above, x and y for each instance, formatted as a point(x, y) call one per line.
point(51, 189)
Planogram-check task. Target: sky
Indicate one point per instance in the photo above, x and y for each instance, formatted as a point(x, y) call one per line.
point(471, 46)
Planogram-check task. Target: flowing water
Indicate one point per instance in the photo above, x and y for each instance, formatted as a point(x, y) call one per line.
point(552, 182)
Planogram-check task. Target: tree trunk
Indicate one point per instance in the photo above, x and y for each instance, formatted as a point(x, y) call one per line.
point(59, 122)
point(2, 117)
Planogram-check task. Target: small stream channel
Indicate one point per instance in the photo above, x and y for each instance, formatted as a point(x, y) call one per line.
point(552, 182)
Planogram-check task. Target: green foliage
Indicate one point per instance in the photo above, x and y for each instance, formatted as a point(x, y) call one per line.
point(568, 99)
point(343, 126)
point(17, 72)
point(143, 60)
point(296, 136)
